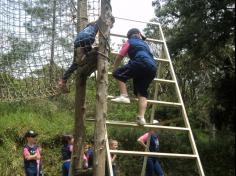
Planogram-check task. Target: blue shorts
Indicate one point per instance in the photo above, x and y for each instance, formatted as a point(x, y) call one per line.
point(142, 75)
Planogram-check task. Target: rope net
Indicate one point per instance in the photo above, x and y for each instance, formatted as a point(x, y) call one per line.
point(37, 45)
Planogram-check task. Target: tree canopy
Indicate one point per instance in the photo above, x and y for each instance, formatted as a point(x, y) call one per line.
point(200, 36)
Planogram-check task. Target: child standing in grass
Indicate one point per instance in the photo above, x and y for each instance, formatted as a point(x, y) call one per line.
point(66, 152)
point(31, 155)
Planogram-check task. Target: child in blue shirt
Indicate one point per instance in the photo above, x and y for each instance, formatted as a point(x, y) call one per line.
point(66, 153)
point(141, 68)
point(84, 41)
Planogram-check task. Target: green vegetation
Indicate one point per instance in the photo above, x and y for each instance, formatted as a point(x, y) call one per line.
point(53, 117)
point(200, 36)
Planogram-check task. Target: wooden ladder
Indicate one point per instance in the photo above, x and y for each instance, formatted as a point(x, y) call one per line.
point(164, 58)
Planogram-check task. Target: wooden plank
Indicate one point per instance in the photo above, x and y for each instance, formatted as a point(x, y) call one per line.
point(159, 155)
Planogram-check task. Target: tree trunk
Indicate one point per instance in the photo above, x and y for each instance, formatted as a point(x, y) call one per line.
point(101, 96)
point(79, 126)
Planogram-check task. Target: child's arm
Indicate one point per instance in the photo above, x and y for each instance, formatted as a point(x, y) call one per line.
point(123, 52)
point(117, 62)
point(38, 155)
point(85, 163)
point(27, 155)
point(143, 140)
point(113, 158)
point(71, 148)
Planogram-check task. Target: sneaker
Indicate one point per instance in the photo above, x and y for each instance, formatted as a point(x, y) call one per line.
point(121, 99)
point(155, 122)
point(62, 86)
point(141, 121)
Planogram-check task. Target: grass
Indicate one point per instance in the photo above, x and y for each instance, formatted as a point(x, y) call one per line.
point(13, 126)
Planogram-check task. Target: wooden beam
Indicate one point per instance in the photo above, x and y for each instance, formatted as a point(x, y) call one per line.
point(162, 60)
point(163, 80)
point(135, 125)
point(159, 155)
point(148, 126)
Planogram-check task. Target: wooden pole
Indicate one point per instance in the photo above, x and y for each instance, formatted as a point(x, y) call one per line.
point(102, 84)
point(81, 80)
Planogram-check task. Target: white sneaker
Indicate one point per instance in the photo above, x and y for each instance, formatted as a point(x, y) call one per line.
point(141, 121)
point(121, 99)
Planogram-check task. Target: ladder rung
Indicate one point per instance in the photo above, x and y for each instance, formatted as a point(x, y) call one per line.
point(161, 155)
point(164, 80)
point(150, 126)
point(164, 103)
point(162, 60)
point(135, 125)
point(156, 79)
point(145, 22)
point(154, 101)
point(157, 59)
point(148, 39)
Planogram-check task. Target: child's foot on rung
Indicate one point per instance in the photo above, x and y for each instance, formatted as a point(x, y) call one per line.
point(121, 99)
point(141, 121)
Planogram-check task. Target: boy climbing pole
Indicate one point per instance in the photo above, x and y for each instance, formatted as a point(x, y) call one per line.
point(84, 41)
